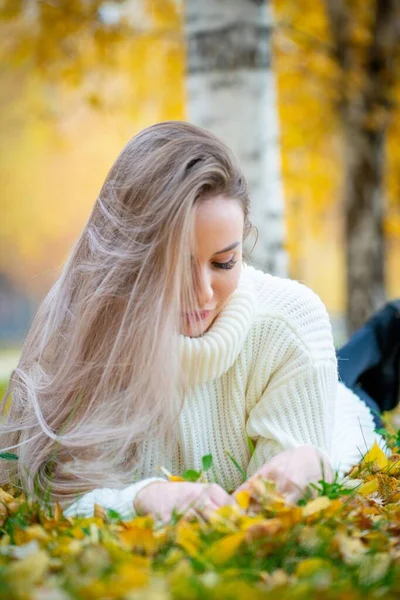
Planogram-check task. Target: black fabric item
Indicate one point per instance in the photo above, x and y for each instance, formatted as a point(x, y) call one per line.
point(372, 405)
point(370, 360)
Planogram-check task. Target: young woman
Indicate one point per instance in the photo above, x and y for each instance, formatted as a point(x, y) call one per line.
point(158, 345)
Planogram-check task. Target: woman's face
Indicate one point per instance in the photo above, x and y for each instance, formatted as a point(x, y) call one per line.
point(218, 234)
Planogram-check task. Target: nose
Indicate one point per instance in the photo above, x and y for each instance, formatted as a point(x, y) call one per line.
point(204, 288)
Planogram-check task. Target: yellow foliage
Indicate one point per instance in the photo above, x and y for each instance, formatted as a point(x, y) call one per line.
point(310, 566)
point(375, 455)
point(374, 567)
point(187, 536)
point(77, 131)
point(100, 558)
point(315, 506)
point(368, 488)
point(137, 538)
point(28, 571)
point(34, 532)
point(131, 575)
point(351, 549)
point(265, 528)
point(310, 83)
point(225, 518)
point(164, 13)
point(128, 576)
point(224, 549)
point(243, 499)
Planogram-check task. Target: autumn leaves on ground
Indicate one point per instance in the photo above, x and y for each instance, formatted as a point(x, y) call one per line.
point(342, 541)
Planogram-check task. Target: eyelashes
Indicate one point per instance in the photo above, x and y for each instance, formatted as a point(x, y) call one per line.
point(226, 265)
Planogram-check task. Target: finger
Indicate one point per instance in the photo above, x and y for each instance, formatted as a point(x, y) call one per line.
point(248, 486)
point(292, 497)
point(206, 503)
point(191, 514)
point(271, 473)
point(207, 509)
point(294, 492)
point(164, 515)
point(218, 495)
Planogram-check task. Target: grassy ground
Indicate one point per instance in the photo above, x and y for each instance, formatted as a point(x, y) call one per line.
point(340, 542)
point(344, 543)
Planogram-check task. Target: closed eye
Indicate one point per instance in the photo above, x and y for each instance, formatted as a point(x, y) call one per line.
point(225, 265)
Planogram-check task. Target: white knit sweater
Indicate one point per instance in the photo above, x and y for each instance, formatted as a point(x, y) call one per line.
point(265, 369)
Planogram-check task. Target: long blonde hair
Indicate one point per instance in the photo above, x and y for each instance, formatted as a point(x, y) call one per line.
point(99, 370)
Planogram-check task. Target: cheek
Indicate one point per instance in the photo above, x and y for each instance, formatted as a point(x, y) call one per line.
point(226, 285)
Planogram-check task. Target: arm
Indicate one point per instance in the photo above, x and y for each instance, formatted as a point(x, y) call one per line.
point(298, 412)
point(296, 406)
point(122, 501)
point(183, 496)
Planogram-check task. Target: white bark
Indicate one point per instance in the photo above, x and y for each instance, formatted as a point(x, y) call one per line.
point(231, 91)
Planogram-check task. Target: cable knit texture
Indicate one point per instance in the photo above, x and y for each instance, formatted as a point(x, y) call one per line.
point(265, 369)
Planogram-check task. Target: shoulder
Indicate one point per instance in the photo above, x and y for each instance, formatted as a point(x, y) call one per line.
point(285, 298)
point(285, 307)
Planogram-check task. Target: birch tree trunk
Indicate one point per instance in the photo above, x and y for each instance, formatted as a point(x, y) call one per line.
point(231, 92)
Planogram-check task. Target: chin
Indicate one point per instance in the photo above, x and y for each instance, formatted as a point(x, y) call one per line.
point(197, 329)
point(194, 331)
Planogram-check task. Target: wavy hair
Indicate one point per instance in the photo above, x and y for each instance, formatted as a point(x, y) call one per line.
point(99, 372)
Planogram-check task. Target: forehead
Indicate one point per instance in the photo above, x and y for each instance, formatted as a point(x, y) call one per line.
point(218, 222)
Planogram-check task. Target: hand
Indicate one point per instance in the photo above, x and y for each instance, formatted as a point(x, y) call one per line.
point(293, 470)
point(161, 497)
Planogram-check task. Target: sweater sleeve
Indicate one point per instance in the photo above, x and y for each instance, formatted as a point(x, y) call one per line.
point(121, 501)
point(297, 402)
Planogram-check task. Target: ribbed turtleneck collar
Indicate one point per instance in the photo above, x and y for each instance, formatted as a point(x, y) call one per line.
point(207, 357)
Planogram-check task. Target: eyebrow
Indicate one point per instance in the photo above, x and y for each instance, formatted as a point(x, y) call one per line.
point(231, 247)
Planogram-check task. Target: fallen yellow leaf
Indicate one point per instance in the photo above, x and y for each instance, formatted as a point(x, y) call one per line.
point(28, 571)
point(225, 518)
point(375, 455)
point(352, 549)
point(58, 513)
point(243, 499)
point(369, 488)
point(33, 532)
point(139, 539)
point(266, 528)
point(5, 497)
point(309, 566)
point(222, 550)
point(374, 567)
point(316, 505)
point(187, 536)
point(394, 464)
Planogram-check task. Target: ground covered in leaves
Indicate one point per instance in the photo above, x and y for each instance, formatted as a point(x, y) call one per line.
point(342, 544)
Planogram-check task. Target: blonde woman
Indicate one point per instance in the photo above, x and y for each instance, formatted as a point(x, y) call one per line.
point(158, 345)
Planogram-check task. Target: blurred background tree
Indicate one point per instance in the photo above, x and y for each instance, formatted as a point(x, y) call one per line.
point(366, 51)
point(229, 82)
point(76, 84)
point(80, 77)
point(348, 55)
